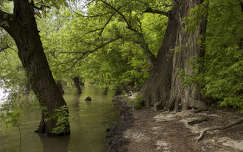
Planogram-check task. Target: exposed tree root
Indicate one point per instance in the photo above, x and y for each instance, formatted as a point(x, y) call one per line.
point(197, 121)
point(218, 128)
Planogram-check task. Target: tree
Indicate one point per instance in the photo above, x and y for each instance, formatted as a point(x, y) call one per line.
point(184, 62)
point(77, 83)
point(190, 45)
point(164, 87)
point(140, 33)
point(22, 27)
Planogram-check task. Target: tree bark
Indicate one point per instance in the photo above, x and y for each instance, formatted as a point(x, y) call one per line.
point(156, 90)
point(163, 88)
point(60, 87)
point(189, 48)
point(23, 28)
point(77, 84)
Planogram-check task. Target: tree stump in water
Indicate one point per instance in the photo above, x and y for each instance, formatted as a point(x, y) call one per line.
point(88, 99)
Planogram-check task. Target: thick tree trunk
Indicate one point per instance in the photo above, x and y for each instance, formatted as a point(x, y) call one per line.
point(164, 89)
point(156, 90)
point(77, 84)
point(22, 27)
point(60, 87)
point(27, 88)
point(188, 49)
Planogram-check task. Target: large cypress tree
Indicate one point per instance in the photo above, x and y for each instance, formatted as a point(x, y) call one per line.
point(164, 87)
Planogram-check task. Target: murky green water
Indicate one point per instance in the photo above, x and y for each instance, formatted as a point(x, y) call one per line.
point(88, 124)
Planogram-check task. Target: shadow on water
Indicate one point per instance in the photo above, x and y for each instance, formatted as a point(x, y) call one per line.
point(88, 126)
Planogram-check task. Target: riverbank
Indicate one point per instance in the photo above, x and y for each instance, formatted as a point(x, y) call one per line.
point(186, 131)
point(116, 142)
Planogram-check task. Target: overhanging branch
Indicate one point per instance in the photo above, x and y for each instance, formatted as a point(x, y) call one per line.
point(150, 10)
point(75, 60)
point(107, 22)
point(129, 26)
point(92, 16)
point(142, 43)
point(103, 28)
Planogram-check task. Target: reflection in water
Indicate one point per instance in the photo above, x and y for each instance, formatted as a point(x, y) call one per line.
point(55, 144)
point(88, 127)
point(3, 95)
point(75, 101)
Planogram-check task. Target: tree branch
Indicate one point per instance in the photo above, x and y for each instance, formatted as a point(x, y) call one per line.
point(4, 48)
point(95, 30)
point(85, 54)
point(129, 26)
point(150, 10)
point(107, 22)
point(41, 8)
point(92, 16)
point(142, 43)
point(103, 28)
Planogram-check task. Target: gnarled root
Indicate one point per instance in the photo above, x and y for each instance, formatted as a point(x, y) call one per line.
point(200, 137)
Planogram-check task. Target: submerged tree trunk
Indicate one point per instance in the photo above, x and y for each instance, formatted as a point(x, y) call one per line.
point(22, 27)
point(164, 89)
point(77, 84)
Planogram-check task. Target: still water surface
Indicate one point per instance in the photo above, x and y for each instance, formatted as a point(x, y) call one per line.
point(88, 124)
point(3, 95)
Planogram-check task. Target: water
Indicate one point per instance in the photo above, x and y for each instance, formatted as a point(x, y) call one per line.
point(88, 124)
point(3, 95)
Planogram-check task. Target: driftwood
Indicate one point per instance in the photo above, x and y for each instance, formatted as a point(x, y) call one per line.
point(200, 137)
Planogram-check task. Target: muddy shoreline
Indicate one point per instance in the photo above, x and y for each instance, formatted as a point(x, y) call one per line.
point(114, 136)
point(148, 131)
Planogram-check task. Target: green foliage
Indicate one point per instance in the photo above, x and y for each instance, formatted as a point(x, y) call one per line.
point(76, 42)
point(197, 14)
point(220, 72)
point(117, 66)
point(69, 47)
point(10, 117)
point(12, 72)
point(223, 73)
point(61, 116)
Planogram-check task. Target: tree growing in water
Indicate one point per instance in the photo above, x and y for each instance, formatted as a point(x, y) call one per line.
point(21, 26)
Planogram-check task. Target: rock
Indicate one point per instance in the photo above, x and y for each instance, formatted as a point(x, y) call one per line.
point(88, 99)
